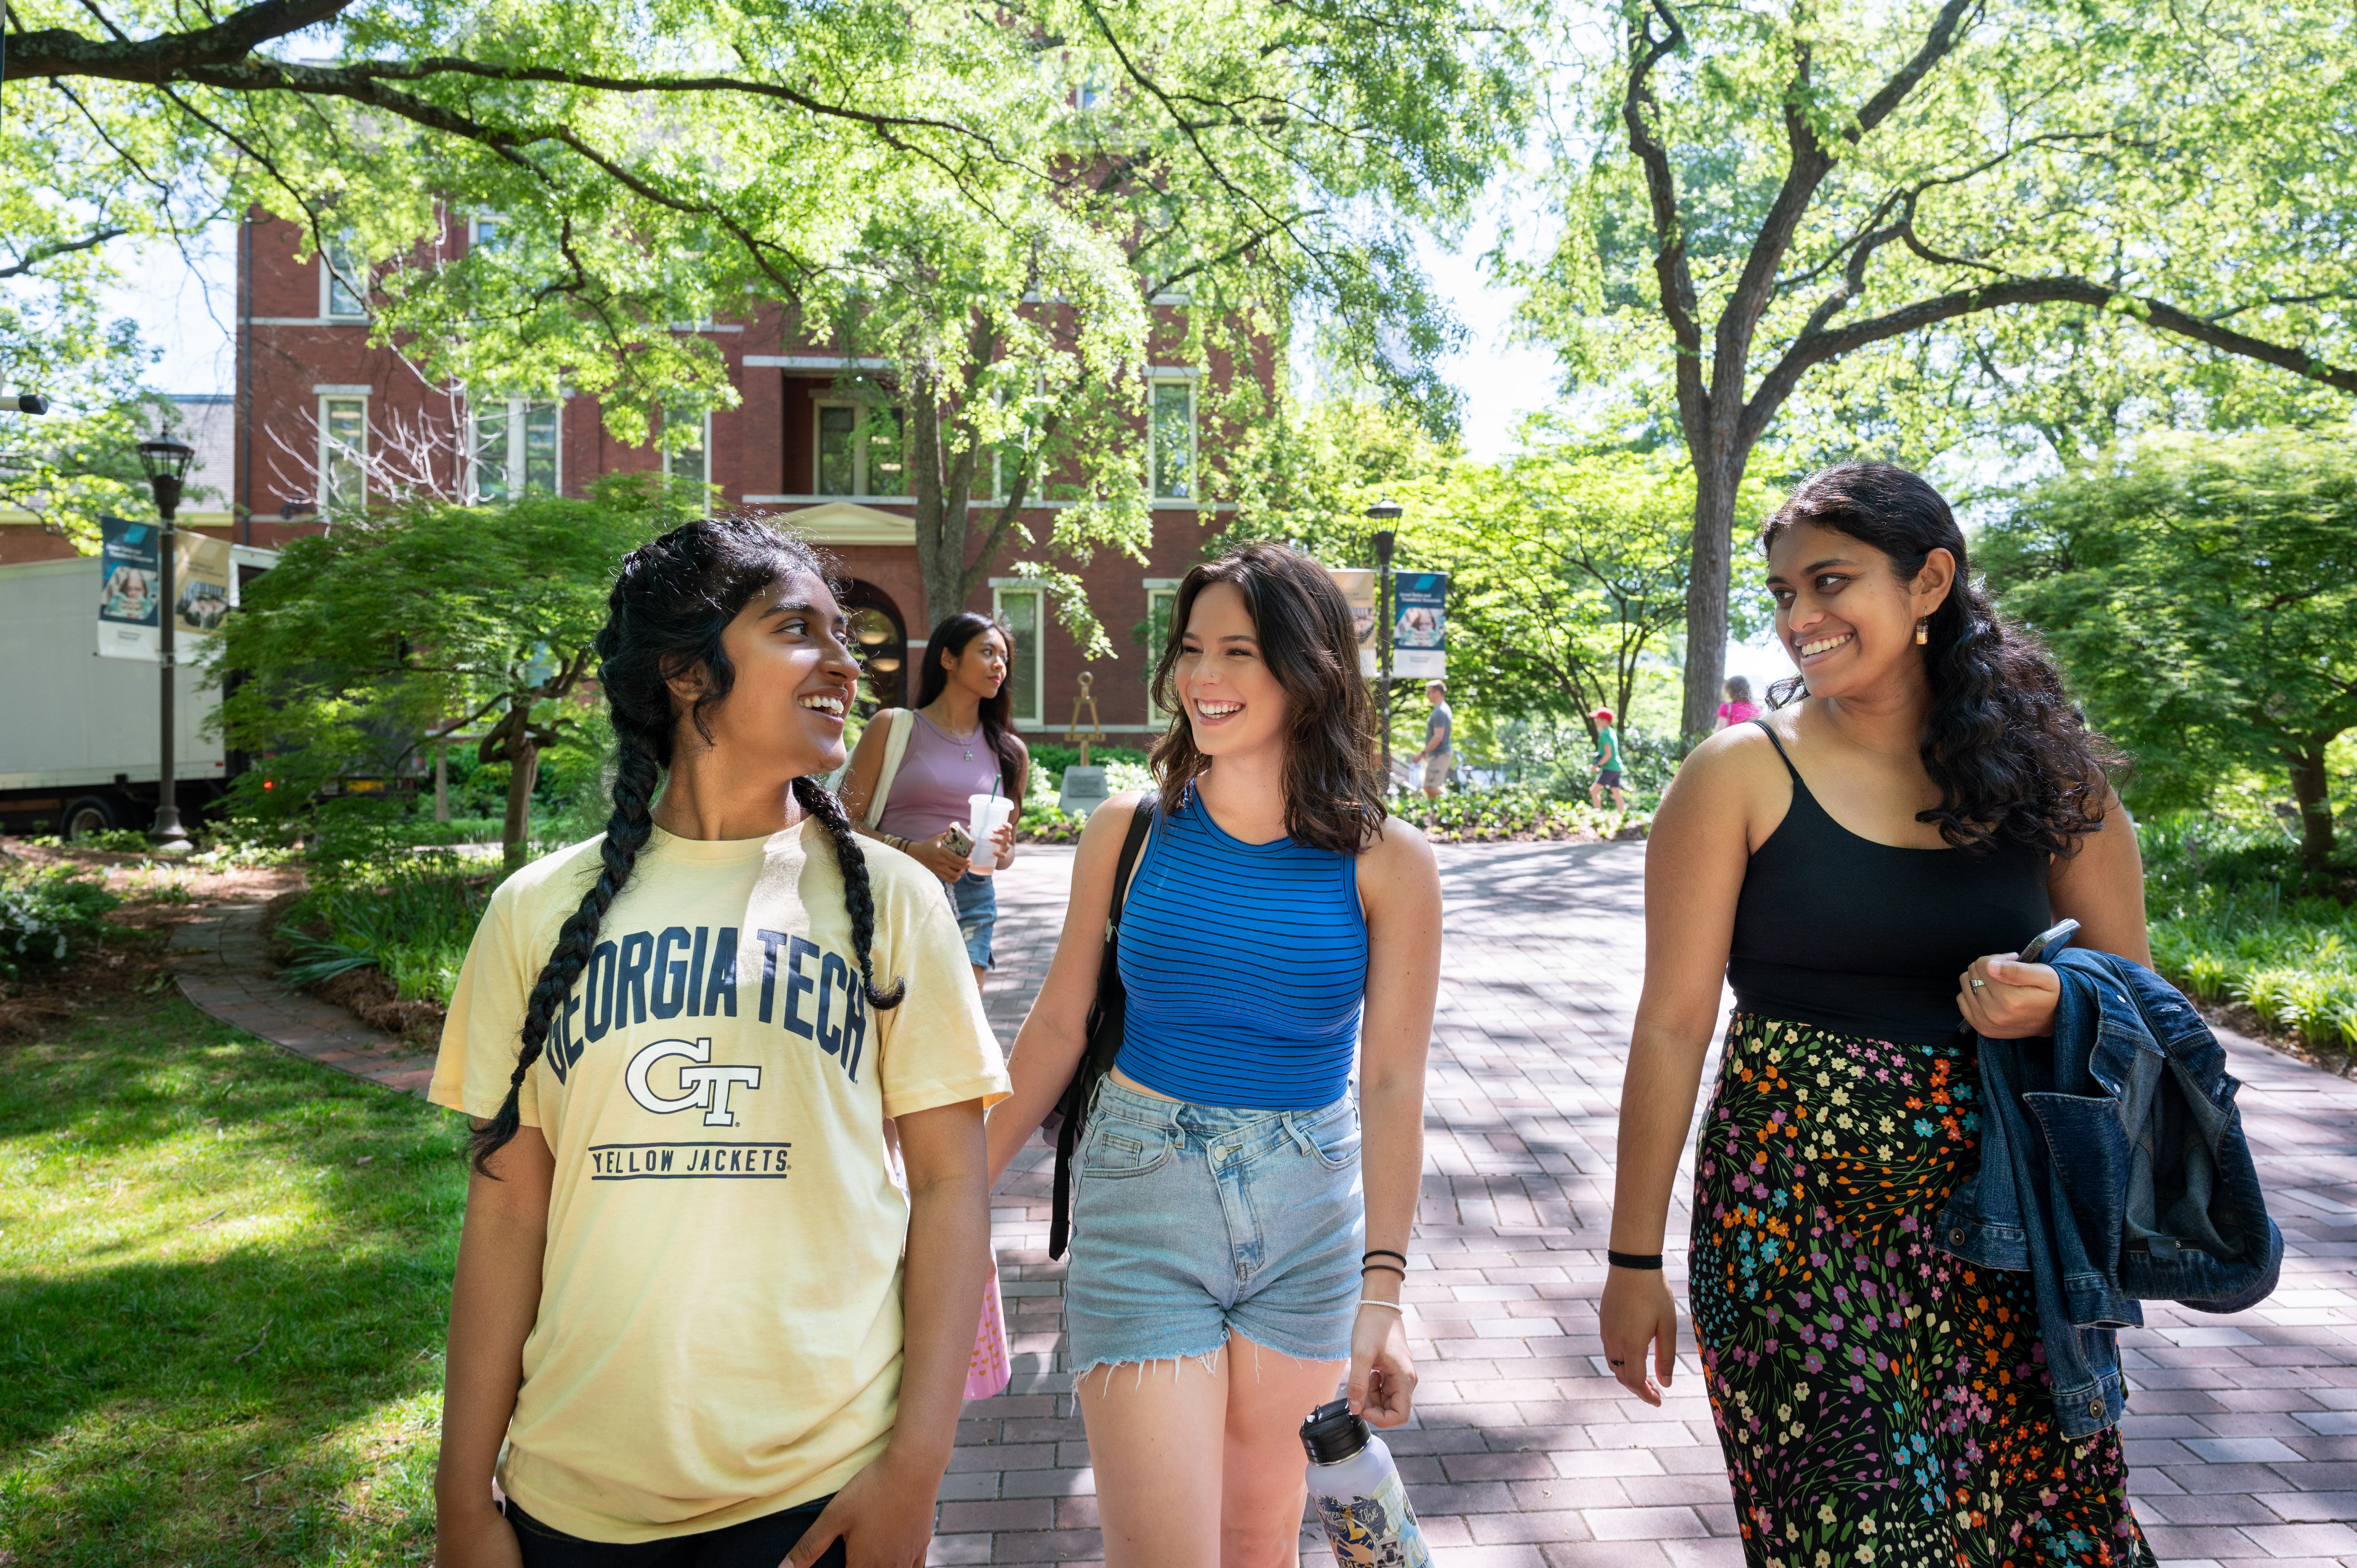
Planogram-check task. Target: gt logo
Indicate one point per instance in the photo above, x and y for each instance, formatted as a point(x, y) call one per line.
point(703, 1087)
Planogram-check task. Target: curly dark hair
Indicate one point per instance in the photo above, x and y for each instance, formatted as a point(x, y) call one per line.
point(1333, 789)
point(2015, 761)
point(673, 599)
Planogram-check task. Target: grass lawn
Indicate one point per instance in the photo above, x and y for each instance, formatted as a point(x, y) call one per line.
point(225, 1274)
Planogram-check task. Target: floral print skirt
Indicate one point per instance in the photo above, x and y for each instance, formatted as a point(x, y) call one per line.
point(1879, 1402)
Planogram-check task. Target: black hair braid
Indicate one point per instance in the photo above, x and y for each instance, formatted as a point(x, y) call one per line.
point(627, 831)
point(857, 896)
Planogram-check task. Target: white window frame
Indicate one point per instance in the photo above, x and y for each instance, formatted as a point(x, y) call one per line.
point(334, 253)
point(1153, 441)
point(475, 226)
point(1164, 589)
point(330, 501)
point(1037, 717)
point(863, 486)
point(517, 409)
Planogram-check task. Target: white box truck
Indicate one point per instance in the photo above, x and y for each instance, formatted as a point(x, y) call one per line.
point(78, 734)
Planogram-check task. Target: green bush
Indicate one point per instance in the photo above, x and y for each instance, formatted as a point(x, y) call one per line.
point(409, 917)
point(1476, 816)
point(48, 914)
point(2232, 920)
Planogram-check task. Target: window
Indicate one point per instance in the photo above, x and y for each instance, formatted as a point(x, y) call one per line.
point(343, 455)
point(514, 448)
point(1019, 608)
point(861, 452)
point(1159, 604)
point(343, 282)
point(688, 457)
point(487, 233)
point(1172, 440)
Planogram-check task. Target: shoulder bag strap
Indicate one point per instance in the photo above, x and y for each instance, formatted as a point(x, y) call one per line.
point(896, 747)
point(1103, 1030)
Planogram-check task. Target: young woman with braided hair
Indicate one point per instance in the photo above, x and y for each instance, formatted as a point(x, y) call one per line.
point(696, 1322)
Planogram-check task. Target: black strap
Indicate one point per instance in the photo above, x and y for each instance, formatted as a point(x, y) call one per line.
point(1104, 1035)
point(1780, 749)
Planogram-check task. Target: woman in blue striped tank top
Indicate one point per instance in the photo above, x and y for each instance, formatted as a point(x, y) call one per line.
point(1237, 1250)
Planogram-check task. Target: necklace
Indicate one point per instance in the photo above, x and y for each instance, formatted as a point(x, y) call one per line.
point(966, 740)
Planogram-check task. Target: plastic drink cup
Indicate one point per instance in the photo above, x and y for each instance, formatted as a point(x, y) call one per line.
point(988, 813)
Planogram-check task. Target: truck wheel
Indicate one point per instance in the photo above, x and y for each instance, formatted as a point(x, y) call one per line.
point(91, 814)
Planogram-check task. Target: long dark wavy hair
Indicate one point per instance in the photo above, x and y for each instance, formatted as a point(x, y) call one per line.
point(2015, 763)
point(1333, 789)
point(997, 712)
point(672, 601)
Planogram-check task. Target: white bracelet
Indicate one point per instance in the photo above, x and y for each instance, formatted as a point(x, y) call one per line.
point(1370, 1301)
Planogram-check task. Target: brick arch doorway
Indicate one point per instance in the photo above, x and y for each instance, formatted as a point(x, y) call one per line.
point(872, 611)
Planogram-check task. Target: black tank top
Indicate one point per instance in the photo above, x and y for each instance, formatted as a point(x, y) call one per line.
point(1864, 938)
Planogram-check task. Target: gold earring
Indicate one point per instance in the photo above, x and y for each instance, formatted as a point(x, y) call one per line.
point(1922, 631)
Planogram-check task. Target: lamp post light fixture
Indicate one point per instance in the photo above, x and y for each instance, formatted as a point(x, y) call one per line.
point(166, 463)
point(1385, 511)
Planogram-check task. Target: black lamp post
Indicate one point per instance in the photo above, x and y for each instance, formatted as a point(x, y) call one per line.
point(166, 463)
point(1385, 511)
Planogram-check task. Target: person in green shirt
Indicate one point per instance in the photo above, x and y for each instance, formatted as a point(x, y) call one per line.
point(1608, 763)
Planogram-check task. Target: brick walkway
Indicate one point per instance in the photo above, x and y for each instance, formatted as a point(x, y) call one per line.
point(223, 965)
point(2243, 1430)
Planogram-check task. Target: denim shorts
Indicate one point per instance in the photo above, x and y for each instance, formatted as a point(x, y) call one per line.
point(1191, 1222)
point(975, 900)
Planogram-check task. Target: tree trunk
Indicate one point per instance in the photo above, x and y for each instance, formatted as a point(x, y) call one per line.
point(2310, 789)
point(522, 758)
point(1716, 475)
point(941, 526)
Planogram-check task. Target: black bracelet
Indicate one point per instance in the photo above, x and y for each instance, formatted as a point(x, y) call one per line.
point(1633, 1259)
point(1382, 1252)
point(1388, 1268)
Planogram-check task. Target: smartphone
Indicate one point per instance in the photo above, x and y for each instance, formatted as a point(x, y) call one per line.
point(2048, 942)
point(961, 843)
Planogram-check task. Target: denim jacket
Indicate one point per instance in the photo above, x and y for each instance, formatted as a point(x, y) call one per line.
point(2113, 1170)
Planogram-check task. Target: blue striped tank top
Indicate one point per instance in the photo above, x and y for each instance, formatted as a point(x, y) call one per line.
point(1247, 967)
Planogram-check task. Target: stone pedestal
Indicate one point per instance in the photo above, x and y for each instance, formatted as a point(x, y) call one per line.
point(1084, 789)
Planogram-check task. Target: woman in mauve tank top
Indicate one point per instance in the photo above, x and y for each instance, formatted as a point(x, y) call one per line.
point(1229, 1268)
point(1860, 866)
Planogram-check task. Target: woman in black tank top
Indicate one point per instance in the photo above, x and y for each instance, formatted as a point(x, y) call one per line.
point(1860, 866)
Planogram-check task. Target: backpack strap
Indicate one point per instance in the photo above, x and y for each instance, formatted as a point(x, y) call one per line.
point(1104, 1031)
point(896, 747)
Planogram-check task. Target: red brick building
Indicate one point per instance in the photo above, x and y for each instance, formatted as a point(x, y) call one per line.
point(320, 419)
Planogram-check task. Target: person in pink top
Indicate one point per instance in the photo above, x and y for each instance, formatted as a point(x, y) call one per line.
point(961, 741)
point(1738, 708)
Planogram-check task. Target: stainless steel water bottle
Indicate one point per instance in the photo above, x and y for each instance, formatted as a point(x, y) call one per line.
point(1358, 1493)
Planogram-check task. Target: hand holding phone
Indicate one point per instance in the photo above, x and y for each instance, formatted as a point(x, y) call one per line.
point(960, 842)
point(2041, 948)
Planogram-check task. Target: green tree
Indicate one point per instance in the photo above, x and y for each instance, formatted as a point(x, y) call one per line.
point(1754, 193)
point(986, 199)
point(363, 644)
point(1569, 565)
point(2202, 594)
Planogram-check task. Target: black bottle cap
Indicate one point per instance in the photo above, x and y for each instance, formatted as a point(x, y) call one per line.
point(1332, 1433)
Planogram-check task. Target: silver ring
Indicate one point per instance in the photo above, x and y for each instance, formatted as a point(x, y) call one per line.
point(1978, 983)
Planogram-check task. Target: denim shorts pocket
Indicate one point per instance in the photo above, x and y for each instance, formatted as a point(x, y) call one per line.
point(1115, 1148)
point(1337, 1143)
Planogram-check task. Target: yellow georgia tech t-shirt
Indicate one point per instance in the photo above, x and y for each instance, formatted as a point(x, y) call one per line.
point(719, 1331)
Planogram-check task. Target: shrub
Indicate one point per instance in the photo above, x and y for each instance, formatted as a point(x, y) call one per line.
point(409, 917)
point(2229, 923)
point(48, 914)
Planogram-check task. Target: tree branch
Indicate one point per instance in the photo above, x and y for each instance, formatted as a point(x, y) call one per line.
point(50, 252)
point(59, 51)
point(1812, 349)
point(1638, 107)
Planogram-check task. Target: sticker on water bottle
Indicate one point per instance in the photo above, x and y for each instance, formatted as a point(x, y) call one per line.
point(1380, 1531)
